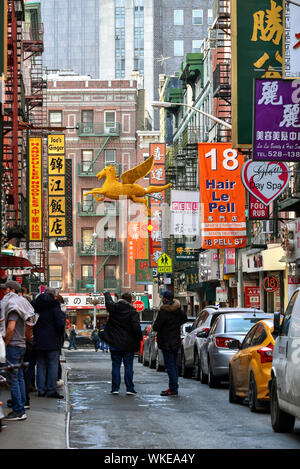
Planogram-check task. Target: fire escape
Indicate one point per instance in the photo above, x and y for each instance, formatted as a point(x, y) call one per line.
point(221, 40)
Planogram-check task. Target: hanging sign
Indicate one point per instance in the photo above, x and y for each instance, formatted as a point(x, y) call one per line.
point(265, 181)
point(271, 284)
point(291, 47)
point(35, 190)
point(222, 196)
point(257, 210)
point(57, 186)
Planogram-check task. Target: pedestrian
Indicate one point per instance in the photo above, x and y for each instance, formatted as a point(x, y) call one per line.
point(103, 345)
point(72, 336)
point(123, 335)
point(48, 332)
point(167, 325)
point(17, 310)
point(95, 338)
point(63, 307)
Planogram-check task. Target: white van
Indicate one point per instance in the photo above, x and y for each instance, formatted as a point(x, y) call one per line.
point(285, 375)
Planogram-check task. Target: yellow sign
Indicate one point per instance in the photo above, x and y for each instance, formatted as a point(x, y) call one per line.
point(57, 185)
point(57, 206)
point(35, 190)
point(164, 264)
point(56, 165)
point(57, 227)
point(56, 144)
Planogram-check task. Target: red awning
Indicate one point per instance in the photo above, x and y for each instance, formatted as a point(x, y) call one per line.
point(7, 262)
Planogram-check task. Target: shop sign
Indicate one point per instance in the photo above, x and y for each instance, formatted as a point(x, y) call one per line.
point(271, 284)
point(221, 294)
point(185, 253)
point(265, 180)
point(192, 279)
point(143, 272)
point(222, 197)
point(83, 300)
point(291, 47)
point(257, 210)
point(257, 33)
point(276, 139)
point(185, 212)
point(229, 261)
point(252, 297)
point(35, 190)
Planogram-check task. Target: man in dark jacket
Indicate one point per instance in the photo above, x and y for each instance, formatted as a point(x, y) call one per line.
point(123, 334)
point(167, 325)
point(47, 333)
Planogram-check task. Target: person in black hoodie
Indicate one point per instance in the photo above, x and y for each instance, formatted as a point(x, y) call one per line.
point(123, 334)
point(167, 325)
point(47, 334)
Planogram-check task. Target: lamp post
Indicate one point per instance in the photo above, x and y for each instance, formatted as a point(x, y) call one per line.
point(164, 104)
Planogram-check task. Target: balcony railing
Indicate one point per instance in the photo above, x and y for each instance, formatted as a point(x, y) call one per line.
point(97, 209)
point(289, 200)
point(191, 136)
point(104, 247)
point(98, 129)
point(91, 168)
point(111, 283)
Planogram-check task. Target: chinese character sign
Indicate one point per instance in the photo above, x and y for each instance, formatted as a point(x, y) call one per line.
point(291, 48)
point(257, 33)
point(35, 190)
point(185, 213)
point(222, 197)
point(136, 245)
point(56, 186)
point(276, 139)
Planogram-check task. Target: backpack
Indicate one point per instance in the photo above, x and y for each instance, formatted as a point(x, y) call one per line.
point(101, 332)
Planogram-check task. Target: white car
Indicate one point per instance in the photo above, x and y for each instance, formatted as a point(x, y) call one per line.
point(285, 374)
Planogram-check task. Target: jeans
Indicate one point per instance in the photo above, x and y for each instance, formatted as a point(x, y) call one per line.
point(72, 343)
point(14, 356)
point(170, 358)
point(96, 344)
point(117, 358)
point(46, 373)
point(104, 345)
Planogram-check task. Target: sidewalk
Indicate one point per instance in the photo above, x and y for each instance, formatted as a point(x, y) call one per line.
point(45, 426)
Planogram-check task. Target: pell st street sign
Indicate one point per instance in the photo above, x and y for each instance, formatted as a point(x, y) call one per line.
point(164, 264)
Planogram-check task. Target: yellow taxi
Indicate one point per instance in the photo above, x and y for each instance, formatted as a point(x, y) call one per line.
point(250, 367)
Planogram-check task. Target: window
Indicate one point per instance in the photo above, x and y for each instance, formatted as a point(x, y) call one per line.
point(55, 118)
point(146, 156)
point(178, 48)
point(241, 325)
point(55, 276)
point(259, 336)
point(287, 317)
point(87, 119)
point(110, 120)
point(197, 45)
point(87, 239)
point(87, 201)
point(247, 340)
point(110, 280)
point(87, 271)
point(178, 17)
point(110, 157)
point(197, 17)
point(209, 17)
point(86, 160)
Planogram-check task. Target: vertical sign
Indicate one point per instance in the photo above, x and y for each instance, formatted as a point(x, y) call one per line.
point(69, 206)
point(3, 39)
point(56, 186)
point(222, 197)
point(291, 46)
point(136, 242)
point(257, 32)
point(157, 178)
point(257, 210)
point(35, 190)
point(185, 213)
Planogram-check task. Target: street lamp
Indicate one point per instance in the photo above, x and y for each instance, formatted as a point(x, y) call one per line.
point(164, 104)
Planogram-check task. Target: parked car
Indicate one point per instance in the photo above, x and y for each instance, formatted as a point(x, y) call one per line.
point(285, 373)
point(83, 337)
point(145, 332)
point(250, 367)
point(215, 352)
point(150, 349)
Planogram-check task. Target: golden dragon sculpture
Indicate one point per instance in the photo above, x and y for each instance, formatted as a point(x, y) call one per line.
point(114, 189)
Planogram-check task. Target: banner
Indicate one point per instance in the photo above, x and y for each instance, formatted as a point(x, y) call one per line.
point(57, 186)
point(276, 139)
point(35, 190)
point(291, 46)
point(257, 33)
point(185, 213)
point(136, 245)
point(222, 196)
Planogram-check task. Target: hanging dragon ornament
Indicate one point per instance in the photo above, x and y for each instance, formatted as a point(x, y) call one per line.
point(127, 187)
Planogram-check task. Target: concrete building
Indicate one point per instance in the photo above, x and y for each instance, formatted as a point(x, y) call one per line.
point(110, 39)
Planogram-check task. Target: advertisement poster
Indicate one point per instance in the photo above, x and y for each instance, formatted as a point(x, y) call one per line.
point(222, 197)
point(276, 139)
point(252, 297)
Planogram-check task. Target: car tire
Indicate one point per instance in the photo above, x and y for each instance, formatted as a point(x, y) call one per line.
point(152, 363)
point(157, 365)
point(203, 376)
point(213, 381)
point(145, 362)
point(252, 394)
point(196, 366)
point(233, 398)
point(186, 372)
point(281, 421)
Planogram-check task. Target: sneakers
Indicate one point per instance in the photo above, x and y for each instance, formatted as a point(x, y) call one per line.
point(168, 392)
point(56, 395)
point(15, 416)
point(114, 392)
point(131, 393)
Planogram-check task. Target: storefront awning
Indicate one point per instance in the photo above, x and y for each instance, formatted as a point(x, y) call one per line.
point(8, 262)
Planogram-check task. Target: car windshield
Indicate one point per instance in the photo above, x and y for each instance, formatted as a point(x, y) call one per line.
point(240, 324)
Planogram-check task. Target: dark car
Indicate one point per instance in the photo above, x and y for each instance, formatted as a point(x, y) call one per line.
point(83, 337)
point(150, 349)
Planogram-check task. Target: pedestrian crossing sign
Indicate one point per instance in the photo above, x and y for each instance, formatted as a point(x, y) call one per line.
point(164, 264)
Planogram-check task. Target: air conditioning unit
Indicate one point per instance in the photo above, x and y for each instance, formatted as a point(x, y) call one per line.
point(112, 130)
point(87, 130)
point(55, 284)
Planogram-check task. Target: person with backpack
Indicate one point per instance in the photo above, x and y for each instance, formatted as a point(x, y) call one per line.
point(95, 338)
point(103, 344)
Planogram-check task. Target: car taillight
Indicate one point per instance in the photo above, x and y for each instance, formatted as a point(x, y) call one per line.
point(266, 353)
point(155, 339)
point(205, 329)
point(222, 341)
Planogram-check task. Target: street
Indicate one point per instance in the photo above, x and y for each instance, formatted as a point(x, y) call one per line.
point(199, 418)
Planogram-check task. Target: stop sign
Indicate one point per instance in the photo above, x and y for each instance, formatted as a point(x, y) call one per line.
point(139, 305)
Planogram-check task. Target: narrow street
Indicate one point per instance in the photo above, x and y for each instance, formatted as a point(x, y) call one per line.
point(199, 418)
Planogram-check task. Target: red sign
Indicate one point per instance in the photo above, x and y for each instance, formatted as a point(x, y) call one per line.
point(139, 305)
point(257, 210)
point(271, 284)
point(252, 297)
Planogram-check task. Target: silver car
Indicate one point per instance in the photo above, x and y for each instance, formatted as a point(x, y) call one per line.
point(214, 351)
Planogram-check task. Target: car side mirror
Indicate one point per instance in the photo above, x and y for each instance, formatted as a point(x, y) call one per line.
point(234, 344)
point(202, 334)
point(277, 325)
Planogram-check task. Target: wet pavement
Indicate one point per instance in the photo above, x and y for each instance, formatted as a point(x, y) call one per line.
point(199, 417)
